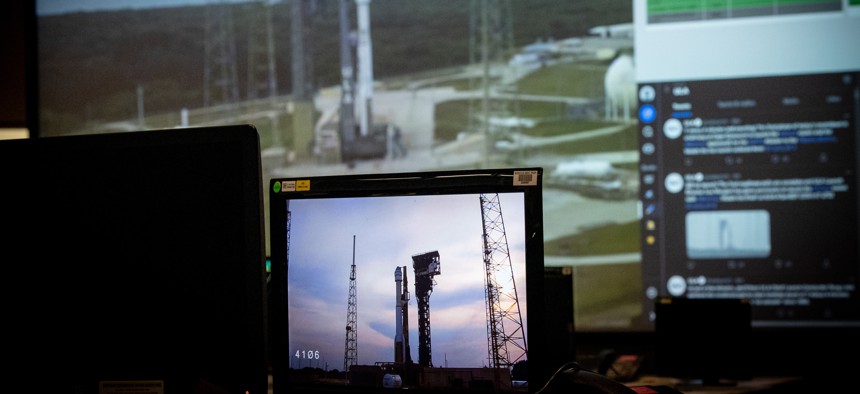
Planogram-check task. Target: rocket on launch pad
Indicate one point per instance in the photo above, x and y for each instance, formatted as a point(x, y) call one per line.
point(401, 312)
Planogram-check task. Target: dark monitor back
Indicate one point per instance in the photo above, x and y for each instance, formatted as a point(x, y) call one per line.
point(135, 258)
point(703, 340)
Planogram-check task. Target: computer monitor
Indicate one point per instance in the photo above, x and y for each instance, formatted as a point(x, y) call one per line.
point(748, 168)
point(135, 261)
point(715, 349)
point(363, 267)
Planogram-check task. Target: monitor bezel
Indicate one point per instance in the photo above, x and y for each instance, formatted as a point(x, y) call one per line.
point(543, 359)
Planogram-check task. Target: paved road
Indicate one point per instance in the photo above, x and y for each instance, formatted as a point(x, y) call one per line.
point(412, 109)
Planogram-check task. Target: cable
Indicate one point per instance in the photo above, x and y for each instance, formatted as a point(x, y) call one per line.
point(564, 367)
point(574, 375)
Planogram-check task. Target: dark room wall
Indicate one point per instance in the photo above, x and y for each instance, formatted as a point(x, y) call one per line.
point(15, 18)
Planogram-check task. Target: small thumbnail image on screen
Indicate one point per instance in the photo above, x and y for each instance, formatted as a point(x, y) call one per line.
point(728, 234)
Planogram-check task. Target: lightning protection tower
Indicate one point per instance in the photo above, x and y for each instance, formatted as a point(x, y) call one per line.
point(505, 335)
point(221, 82)
point(491, 44)
point(350, 353)
point(262, 77)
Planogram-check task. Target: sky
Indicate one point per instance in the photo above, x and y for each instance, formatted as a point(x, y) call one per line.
point(53, 7)
point(388, 232)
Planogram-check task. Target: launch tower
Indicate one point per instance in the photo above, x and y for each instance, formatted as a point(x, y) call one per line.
point(426, 267)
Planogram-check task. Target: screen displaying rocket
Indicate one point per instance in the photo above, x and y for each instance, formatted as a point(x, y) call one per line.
point(407, 291)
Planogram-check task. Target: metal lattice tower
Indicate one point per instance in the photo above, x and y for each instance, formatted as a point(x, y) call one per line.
point(491, 45)
point(262, 77)
point(221, 81)
point(350, 353)
point(505, 334)
point(302, 63)
point(426, 267)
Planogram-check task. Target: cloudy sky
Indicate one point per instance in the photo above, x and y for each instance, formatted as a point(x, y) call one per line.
point(388, 232)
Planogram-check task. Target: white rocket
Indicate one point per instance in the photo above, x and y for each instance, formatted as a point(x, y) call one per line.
point(364, 94)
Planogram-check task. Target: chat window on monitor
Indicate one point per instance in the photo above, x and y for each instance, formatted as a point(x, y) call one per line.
point(749, 189)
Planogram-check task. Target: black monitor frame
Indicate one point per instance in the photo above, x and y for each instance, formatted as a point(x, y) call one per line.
point(136, 258)
point(545, 354)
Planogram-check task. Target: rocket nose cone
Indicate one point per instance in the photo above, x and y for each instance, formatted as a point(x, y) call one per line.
point(397, 274)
